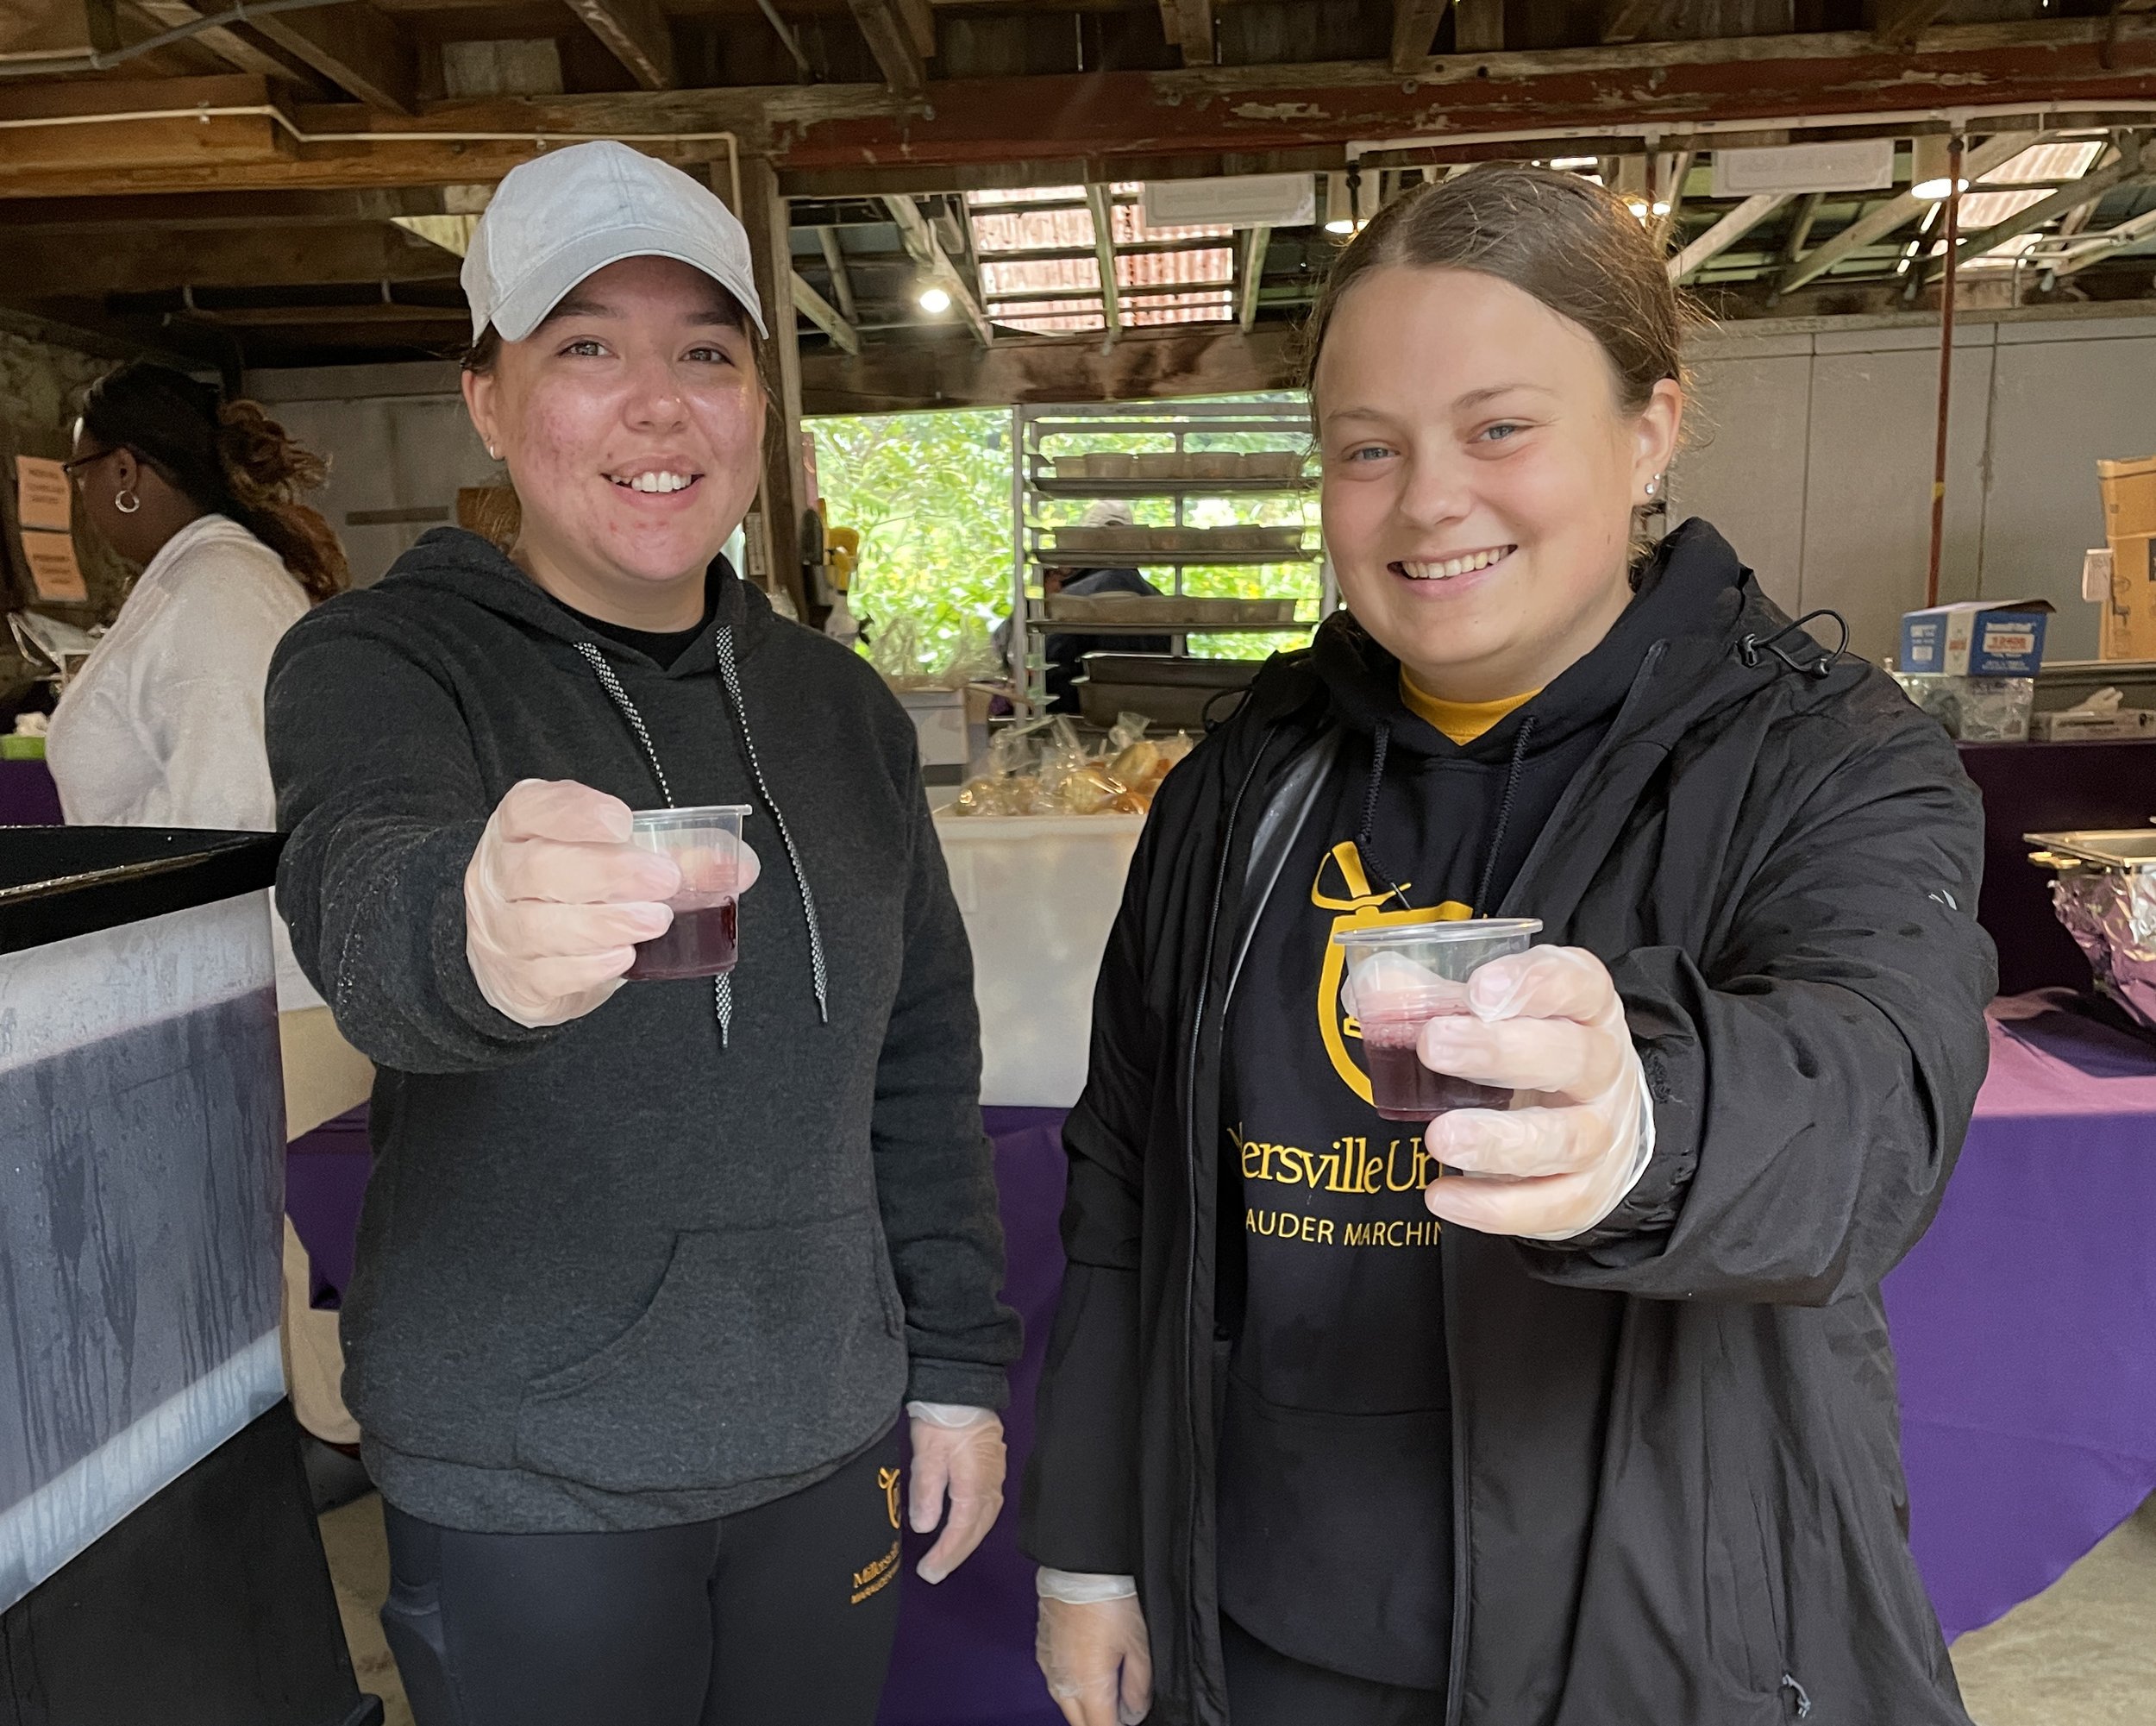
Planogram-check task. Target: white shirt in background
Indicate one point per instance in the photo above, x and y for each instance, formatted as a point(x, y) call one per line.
point(162, 727)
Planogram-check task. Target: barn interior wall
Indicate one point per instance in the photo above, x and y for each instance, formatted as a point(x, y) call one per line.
point(1814, 455)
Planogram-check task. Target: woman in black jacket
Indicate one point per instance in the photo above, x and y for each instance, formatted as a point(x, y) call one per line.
point(1600, 1427)
point(648, 1272)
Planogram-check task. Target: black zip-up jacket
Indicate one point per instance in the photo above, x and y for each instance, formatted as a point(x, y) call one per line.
point(614, 1273)
point(1678, 1496)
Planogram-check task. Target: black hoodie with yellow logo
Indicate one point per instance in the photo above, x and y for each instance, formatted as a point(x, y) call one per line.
point(1336, 1530)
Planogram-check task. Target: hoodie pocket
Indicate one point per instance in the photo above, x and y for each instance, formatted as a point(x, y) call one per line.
point(762, 1353)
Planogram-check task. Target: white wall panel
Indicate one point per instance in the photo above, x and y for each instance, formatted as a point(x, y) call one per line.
point(1744, 469)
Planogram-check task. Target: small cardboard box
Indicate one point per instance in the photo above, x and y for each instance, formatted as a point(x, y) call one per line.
point(1976, 638)
point(2129, 497)
point(2128, 630)
point(2078, 727)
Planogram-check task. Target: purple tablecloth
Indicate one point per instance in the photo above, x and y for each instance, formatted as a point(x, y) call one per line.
point(2025, 1322)
point(28, 796)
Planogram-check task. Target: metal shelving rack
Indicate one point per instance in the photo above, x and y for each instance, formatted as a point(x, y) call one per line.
point(1284, 425)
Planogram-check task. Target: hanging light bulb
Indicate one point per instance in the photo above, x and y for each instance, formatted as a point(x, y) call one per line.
point(1929, 169)
point(1339, 205)
point(934, 301)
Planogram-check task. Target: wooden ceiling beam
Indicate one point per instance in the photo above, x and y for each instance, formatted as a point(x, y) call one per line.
point(146, 260)
point(920, 239)
point(1110, 120)
point(901, 35)
point(1415, 31)
point(2135, 164)
point(636, 32)
point(824, 315)
point(1726, 233)
point(841, 278)
point(185, 213)
point(1627, 20)
point(1901, 22)
point(240, 52)
point(1153, 364)
point(356, 47)
point(1896, 213)
point(1187, 24)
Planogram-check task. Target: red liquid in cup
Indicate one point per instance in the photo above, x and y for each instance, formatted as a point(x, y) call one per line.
point(1402, 1088)
point(702, 942)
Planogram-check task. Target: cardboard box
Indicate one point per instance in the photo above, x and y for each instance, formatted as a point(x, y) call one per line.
point(2129, 497)
point(2128, 629)
point(1976, 638)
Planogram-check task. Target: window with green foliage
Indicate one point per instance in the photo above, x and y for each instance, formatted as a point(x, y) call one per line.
point(930, 495)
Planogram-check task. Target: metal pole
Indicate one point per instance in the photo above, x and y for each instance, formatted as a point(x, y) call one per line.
point(1945, 367)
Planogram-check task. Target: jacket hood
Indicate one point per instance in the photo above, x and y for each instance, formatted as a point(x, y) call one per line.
point(1692, 587)
point(453, 560)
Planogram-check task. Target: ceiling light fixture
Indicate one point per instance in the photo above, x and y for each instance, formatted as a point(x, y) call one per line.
point(1927, 169)
point(934, 301)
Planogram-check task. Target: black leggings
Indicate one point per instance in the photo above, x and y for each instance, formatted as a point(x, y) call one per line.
point(783, 1614)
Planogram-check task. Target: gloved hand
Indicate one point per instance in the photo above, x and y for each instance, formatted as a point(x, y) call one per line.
point(1547, 1022)
point(959, 1449)
point(555, 898)
point(1094, 1653)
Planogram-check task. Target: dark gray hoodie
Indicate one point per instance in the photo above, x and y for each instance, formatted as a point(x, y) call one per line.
point(617, 1273)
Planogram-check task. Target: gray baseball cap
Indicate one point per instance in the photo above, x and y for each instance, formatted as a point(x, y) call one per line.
point(558, 218)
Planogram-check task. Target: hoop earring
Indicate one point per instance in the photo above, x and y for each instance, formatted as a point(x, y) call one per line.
point(127, 503)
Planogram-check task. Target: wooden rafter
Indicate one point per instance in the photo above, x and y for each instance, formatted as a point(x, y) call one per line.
point(636, 34)
point(135, 260)
point(1188, 26)
point(1894, 213)
point(1101, 206)
point(921, 242)
point(1901, 22)
point(841, 278)
point(1800, 234)
point(1627, 20)
point(1256, 243)
point(240, 52)
point(901, 35)
point(824, 315)
point(2135, 162)
point(1122, 121)
point(1415, 31)
point(1726, 233)
point(1478, 26)
point(356, 47)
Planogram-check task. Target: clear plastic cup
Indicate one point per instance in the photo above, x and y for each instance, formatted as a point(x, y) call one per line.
point(1402, 976)
point(705, 846)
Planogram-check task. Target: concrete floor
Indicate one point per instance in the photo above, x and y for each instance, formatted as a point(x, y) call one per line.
point(2081, 1653)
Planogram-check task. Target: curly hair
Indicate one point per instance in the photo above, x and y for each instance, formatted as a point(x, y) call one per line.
point(229, 457)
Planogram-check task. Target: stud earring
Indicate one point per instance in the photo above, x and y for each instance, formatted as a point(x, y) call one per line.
point(492, 454)
point(1653, 484)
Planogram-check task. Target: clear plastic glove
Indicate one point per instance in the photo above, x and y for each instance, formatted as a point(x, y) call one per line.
point(958, 1450)
point(555, 898)
point(1096, 1657)
point(1546, 1022)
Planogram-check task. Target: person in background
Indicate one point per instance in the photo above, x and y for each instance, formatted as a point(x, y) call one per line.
point(663, 1287)
point(1065, 653)
point(162, 727)
point(1600, 1428)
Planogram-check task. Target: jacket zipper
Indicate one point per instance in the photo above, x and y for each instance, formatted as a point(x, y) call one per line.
point(1198, 1406)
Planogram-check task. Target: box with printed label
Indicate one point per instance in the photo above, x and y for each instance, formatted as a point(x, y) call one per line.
point(1976, 638)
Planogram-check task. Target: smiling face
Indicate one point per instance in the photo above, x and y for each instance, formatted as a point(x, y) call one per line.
point(1480, 476)
point(631, 421)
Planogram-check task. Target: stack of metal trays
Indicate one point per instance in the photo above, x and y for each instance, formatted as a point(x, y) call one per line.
point(1169, 689)
point(2105, 895)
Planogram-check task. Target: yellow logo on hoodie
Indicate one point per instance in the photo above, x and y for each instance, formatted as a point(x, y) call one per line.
point(1356, 907)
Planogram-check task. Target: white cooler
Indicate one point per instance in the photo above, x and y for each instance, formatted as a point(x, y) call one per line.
point(1040, 893)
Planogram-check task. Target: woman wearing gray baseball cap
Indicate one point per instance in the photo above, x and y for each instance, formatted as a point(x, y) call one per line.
point(646, 1274)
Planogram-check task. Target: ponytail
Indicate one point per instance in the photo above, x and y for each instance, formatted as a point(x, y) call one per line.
point(264, 473)
point(227, 457)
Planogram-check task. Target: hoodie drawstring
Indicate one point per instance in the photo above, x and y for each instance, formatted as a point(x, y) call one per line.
point(729, 677)
point(1381, 741)
point(1504, 815)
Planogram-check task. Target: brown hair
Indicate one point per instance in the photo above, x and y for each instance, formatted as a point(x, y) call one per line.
point(1567, 241)
point(229, 457)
